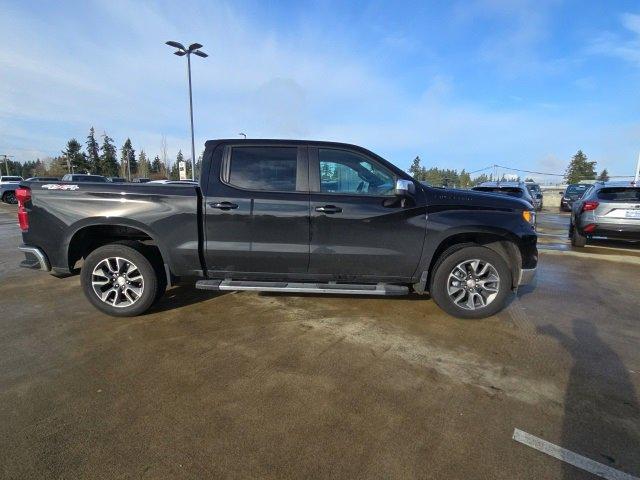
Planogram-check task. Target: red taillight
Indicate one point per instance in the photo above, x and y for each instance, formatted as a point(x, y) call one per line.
point(590, 205)
point(589, 228)
point(23, 195)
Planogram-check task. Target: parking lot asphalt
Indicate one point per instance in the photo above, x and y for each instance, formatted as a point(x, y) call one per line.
point(289, 386)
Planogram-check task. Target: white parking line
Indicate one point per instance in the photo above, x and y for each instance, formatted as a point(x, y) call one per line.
point(570, 457)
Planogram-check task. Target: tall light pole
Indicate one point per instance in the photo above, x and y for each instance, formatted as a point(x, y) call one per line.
point(181, 52)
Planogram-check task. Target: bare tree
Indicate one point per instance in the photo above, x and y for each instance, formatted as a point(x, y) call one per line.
point(166, 167)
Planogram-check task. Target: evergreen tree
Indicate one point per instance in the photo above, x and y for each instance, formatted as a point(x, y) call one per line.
point(604, 176)
point(155, 165)
point(128, 163)
point(416, 170)
point(93, 154)
point(464, 179)
point(481, 179)
point(108, 160)
point(144, 168)
point(76, 160)
point(175, 169)
point(580, 168)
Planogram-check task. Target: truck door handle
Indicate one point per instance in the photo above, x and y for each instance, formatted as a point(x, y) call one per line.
point(329, 209)
point(223, 205)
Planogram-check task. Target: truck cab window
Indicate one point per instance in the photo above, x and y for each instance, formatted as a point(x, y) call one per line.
point(346, 172)
point(264, 168)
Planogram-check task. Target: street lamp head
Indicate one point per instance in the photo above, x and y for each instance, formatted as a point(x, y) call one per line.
point(194, 46)
point(180, 53)
point(200, 54)
point(171, 43)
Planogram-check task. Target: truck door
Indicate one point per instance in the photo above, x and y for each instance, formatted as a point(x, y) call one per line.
point(257, 211)
point(359, 228)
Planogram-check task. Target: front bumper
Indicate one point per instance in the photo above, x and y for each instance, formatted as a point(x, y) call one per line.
point(527, 275)
point(34, 258)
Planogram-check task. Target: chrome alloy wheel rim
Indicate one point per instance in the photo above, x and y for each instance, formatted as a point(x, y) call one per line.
point(117, 282)
point(473, 284)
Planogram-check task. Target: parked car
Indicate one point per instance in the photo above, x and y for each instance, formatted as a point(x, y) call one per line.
point(571, 194)
point(43, 179)
point(513, 189)
point(141, 180)
point(117, 179)
point(283, 216)
point(536, 193)
point(607, 210)
point(84, 177)
point(8, 186)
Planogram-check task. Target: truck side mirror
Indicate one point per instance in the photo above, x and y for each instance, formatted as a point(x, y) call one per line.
point(404, 187)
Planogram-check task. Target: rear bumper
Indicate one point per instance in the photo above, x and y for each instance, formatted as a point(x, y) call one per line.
point(612, 231)
point(527, 275)
point(34, 258)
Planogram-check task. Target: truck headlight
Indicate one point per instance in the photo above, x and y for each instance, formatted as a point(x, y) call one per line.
point(529, 216)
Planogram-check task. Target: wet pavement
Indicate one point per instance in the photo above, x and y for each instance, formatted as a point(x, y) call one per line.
point(285, 386)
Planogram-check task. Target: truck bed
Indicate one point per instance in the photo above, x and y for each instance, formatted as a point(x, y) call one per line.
point(62, 214)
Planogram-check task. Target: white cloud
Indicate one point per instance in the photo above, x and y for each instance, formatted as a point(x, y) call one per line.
point(624, 47)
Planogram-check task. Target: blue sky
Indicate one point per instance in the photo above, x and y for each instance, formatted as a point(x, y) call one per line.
point(462, 84)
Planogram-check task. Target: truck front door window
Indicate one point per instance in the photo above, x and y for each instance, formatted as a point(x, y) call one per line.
point(349, 173)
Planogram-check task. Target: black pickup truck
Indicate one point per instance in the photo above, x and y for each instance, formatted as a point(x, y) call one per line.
point(282, 216)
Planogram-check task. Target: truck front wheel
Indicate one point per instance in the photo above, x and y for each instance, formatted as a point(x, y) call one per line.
point(471, 282)
point(120, 280)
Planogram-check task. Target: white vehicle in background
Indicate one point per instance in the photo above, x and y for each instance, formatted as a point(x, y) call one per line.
point(8, 185)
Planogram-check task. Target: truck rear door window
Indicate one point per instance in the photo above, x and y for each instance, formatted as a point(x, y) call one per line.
point(264, 168)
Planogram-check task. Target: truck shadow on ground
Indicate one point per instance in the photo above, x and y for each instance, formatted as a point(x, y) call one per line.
point(601, 410)
point(182, 296)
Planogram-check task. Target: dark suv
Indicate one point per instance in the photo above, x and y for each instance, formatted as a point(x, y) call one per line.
point(84, 177)
point(571, 194)
point(608, 210)
point(513, 189)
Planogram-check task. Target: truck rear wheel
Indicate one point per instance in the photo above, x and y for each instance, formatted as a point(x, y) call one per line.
point(120, 280)
point(471, 282)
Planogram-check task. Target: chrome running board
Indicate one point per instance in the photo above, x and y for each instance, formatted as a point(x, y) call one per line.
point(381, 289)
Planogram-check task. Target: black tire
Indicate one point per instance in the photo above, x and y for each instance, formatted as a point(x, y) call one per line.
point(457, 255)
point(132, 253)
point(10, 197)
point(153, 255)
point(577, 239)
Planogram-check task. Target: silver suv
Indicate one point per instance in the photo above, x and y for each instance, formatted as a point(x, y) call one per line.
point(608, 210)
